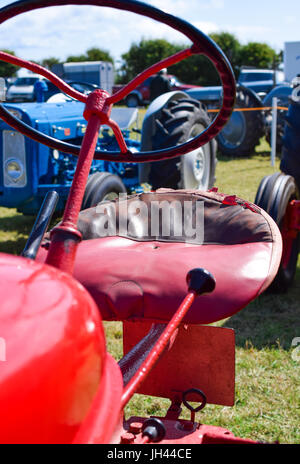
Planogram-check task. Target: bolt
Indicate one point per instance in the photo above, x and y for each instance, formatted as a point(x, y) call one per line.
point(127, 438)
point(135, 427)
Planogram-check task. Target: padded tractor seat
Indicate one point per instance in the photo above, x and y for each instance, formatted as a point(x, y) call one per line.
point(139, 273)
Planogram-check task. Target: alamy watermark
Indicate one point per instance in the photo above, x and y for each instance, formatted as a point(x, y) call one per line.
point(151, 220)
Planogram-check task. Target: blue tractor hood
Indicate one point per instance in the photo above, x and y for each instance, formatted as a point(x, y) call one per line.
point(47, 112)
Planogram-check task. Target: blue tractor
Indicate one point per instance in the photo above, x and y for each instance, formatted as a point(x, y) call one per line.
point(279, 194)
point(29, 169)
point(244, 130)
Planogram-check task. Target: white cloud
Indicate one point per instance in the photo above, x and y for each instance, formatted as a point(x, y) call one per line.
point(62, 31)
point(291, 19)
point(206, 26)
point(252, 33)
point(72, 29)
point(218, 4)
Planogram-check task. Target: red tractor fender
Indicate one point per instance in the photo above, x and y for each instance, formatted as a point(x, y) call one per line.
point(55, 355)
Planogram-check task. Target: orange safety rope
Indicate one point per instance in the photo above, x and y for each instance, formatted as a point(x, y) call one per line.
point(215, 110)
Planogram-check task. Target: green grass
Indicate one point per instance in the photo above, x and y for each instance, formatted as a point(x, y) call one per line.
point(267, 403)
point(243, 175)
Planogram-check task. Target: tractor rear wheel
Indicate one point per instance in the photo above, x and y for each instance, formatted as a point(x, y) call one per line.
point(102, 186)
point(244, 129)
point(180, 121)
point(274, 195)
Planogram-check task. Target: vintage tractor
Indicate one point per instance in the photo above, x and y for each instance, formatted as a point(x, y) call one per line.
point(31, 169)
point(278, 194)
point(245, 128)
point(127, 260)
point(254, 120)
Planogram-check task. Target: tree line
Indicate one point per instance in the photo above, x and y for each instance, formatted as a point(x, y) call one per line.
point(196, 70)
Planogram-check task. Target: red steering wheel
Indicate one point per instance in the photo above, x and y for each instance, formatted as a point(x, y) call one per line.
point(201, 45)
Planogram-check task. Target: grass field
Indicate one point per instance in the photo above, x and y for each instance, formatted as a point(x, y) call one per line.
point(267, 404)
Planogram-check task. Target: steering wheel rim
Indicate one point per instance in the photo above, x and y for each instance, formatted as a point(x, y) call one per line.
point(202, 44)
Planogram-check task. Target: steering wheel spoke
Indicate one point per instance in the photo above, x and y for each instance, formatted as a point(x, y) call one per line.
point(119, 136)
point(37, 69)
point(165, 63)
point(201, 44)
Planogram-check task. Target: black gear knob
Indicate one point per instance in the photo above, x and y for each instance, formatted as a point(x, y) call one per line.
point(200, 281)
point(154, 429)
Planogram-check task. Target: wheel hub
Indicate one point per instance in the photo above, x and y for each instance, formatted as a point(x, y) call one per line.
point(199, 165)
point(234, 131)
point(195, 172)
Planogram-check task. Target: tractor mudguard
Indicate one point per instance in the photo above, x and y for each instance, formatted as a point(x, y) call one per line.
point(55, 353)
point(206, 94)
point(281, 92)
point(152, 113)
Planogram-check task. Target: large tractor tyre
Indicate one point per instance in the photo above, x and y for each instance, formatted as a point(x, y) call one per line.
point(180, 121)
point(274, 195)
point(102, 186)
point(244, 129)
point(290, 156)
point(265, 190)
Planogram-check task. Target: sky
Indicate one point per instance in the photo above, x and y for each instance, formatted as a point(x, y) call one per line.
point(71, 30)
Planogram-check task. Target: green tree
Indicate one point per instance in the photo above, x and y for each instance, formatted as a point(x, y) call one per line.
point(93, 54)
point(142, 55)
point(76, 58)
point(49, 62)
point(197, 69)
point(231, 47)
point(7, 69)
point(258, 55)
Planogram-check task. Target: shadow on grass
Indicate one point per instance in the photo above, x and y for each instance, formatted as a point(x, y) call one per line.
point(18, 222)
point(20, 226)
point(271, 320)
point(13, 247)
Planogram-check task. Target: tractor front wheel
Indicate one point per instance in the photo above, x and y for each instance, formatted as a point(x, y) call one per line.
point(275, 195)
point(102, 186)
point(180, 121)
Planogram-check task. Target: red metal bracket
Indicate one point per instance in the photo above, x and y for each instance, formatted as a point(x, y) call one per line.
point(293, 212)
point(290, 230)
point(184, 366)
point(181, 432)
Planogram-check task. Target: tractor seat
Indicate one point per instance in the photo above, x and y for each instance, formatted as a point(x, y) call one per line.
point(139, 271)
